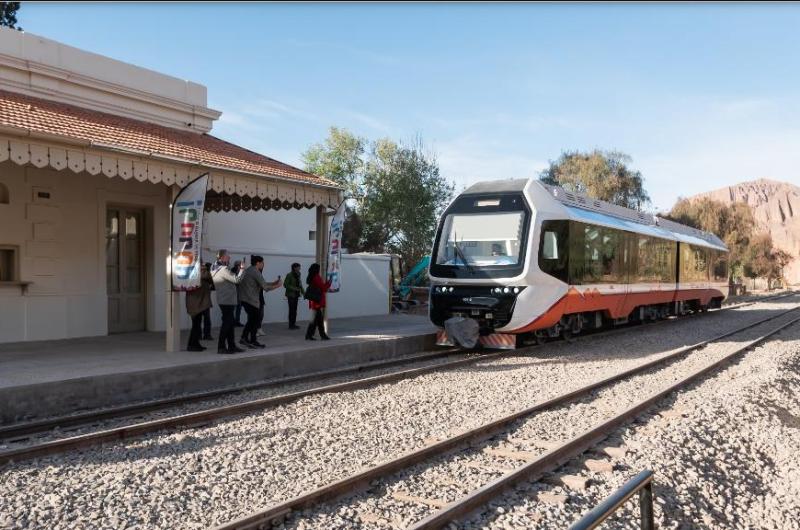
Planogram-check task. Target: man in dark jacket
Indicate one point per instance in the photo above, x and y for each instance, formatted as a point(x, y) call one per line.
point(294, 290)
point(251, 295)
point(207, 312)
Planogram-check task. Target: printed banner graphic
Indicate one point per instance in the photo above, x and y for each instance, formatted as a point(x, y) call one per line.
point(187, 231)
point(335, 249)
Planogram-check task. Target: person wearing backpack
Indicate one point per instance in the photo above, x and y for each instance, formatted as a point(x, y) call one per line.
point(294, 290)
point(315, 294)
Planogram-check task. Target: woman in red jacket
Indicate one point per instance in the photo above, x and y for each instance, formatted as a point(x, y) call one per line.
point(316, 302)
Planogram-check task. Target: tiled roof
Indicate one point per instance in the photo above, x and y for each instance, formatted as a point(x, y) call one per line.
point(51, 117)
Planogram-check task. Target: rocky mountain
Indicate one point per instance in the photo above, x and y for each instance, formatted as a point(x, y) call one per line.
point(776, 207)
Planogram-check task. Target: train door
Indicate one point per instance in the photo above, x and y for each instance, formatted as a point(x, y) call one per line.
point(628, 253)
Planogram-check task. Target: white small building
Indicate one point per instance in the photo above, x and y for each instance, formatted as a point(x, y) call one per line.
point(92, 151)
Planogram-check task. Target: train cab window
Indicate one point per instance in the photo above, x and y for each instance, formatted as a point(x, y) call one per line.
point(553, 249)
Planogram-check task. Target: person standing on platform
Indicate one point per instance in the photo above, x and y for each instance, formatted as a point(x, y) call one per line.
point(251, 295)
point(237, 313)
point(198, 303)
point(225, 282)
point(294, 290)
point(315, 294)
point(207, 312)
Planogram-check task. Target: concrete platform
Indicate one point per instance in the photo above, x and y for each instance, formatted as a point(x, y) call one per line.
point(39, 379)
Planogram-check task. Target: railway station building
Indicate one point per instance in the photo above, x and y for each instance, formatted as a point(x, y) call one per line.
point(92, 151)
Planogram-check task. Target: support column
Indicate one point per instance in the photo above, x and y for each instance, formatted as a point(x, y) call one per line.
point(173, 299)
point(322, 235)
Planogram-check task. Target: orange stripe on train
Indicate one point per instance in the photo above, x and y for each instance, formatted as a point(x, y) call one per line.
point(617, 305)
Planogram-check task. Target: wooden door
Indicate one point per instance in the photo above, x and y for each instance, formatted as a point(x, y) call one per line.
point(125, 278)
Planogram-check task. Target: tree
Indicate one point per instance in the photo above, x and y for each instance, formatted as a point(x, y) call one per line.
point(603, 175)
point(405, 194)
point(8, 15)
point(395, 192)
point(764, 260)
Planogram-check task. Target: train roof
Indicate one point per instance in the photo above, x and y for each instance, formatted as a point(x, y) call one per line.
point(497, 186)
point(580, 207)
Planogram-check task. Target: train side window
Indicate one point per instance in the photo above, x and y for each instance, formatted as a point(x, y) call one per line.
point(553, 256)
point(721, 267)
point(550, 245)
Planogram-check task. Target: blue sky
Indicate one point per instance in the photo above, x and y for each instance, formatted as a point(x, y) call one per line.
point(701, 96)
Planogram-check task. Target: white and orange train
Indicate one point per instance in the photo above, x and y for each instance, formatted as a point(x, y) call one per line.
point(528, 261)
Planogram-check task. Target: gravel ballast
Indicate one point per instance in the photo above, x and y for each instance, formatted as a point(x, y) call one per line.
point(450, 478)
point(197, 478)
point(724, 453)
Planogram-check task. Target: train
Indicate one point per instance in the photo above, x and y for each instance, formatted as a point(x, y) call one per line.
point(518, 261)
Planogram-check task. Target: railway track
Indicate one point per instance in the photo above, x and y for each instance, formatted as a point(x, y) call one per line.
point(486, 447)
point(22, 432)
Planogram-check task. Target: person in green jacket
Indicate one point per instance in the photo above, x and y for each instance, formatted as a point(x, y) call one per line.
point(294, 290)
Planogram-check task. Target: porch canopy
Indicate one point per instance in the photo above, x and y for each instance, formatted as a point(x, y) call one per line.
point(53, 134)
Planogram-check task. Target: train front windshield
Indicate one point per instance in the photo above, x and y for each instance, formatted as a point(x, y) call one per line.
point(480, 239)
point(482, 236)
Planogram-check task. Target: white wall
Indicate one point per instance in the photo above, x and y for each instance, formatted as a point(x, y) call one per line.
point(365, 287)
point(274, 232)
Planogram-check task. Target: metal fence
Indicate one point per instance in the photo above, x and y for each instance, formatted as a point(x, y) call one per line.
point(642, 483)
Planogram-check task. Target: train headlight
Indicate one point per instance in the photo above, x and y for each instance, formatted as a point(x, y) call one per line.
point(506, 290)
point(516, 290)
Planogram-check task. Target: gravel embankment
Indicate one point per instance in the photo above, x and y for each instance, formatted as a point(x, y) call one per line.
point(725, 455)
point(450, 478)
point(197, 478)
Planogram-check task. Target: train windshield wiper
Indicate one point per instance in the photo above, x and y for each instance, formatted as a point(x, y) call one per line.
point(460, 254)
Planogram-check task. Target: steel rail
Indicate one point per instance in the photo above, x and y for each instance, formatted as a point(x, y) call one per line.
point(555, 458)
point(18, 430)
point(361, 479)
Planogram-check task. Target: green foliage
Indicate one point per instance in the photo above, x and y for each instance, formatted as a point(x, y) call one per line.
point(8, 14)
point(340, 158)
point(603, 175)
point(396, 191)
